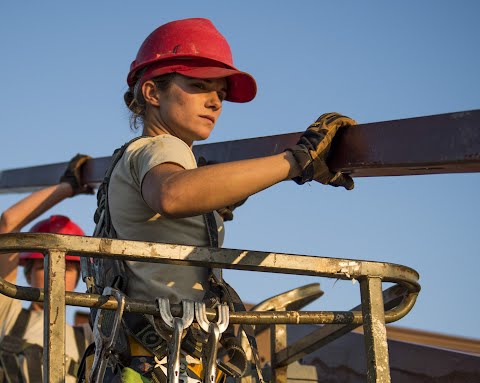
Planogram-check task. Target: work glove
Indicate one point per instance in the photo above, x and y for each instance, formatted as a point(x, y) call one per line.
point(225, 212)
point(313, 148)
point(72, 175)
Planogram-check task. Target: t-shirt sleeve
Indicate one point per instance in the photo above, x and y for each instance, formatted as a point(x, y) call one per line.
point(162, 149)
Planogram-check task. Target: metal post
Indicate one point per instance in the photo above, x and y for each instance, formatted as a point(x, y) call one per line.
point(376, 347)
point(278, 342)
point(54, 320)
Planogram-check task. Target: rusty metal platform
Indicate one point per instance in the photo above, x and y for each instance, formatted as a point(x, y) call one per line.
point(374, 312)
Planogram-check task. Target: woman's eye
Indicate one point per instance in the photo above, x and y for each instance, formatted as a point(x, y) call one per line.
point(221, 96)
point(200, 85)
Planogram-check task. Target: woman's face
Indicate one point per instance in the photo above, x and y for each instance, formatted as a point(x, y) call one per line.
point(36, 275)
point(189, 108)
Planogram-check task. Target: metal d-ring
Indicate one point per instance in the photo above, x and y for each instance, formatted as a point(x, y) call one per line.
point(178, 327)
point(214, 331)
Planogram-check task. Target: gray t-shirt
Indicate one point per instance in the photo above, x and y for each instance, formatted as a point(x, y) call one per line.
point(133, 219)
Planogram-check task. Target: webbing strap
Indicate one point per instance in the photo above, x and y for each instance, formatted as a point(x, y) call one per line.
point(33, 354)
point(12, 345)
point(248, 330)
point(143, 331)
point(11, 366)
point(79, 333)
point(233, 299)
point(212, 229)
point(21, 323)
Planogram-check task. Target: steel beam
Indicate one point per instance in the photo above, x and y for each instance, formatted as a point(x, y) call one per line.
point(443, 143)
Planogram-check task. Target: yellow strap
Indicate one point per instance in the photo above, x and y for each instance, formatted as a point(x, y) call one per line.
point(88, 366)
point(197, 369)
point(137, 349)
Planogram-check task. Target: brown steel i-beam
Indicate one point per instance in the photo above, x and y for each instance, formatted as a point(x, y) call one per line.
point(444, 143)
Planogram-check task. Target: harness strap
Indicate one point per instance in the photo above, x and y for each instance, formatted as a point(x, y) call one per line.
point(235, 301)
point(212, 229)
point(21, 323)
point(79, 333)
point(143, 331)
point(11, 367)
point(236, 364)
point(12, 345)
point(33, 354)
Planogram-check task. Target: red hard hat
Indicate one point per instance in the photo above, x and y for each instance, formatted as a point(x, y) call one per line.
point(194, 48)
point(56, 224)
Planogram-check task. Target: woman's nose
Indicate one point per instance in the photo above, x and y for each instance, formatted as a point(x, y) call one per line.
point(214, 102)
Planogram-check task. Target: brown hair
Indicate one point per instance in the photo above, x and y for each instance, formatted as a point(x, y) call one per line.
point(135, 102)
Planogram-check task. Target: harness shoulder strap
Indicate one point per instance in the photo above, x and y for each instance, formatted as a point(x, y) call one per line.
point(80, 339)
point(21, 323)
point(13, 345)
point(13, 342)
point(222, 290)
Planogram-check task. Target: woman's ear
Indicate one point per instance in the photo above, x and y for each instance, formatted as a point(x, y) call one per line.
point(151, 93)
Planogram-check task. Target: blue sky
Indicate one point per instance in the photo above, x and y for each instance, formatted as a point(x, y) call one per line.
point(63, 77)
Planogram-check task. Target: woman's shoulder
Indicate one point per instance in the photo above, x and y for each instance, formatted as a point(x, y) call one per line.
point(153, 141)
point(163, 148)
point(145, 153)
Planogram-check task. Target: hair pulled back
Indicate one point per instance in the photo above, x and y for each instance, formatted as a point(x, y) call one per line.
point(135, 101)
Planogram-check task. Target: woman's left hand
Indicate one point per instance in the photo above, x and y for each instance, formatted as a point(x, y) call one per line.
point(73, 175)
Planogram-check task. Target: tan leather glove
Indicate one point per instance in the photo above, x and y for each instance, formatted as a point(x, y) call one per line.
point(313, 148)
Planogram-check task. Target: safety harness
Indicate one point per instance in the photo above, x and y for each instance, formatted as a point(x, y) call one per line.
point(99, 273)
point(14, 350)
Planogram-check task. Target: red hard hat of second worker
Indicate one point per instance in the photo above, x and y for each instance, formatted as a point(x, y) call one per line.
point(56, 224)
point(194, 48)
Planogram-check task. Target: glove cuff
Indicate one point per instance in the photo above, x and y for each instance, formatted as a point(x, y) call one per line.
point(70, 179)
point(305, 162)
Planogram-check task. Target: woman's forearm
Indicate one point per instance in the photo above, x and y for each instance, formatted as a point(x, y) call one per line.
point(21, 214)
point(26, 210)
point(176, 193)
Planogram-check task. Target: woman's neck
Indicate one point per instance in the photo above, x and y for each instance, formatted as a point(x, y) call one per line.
point(152, 130)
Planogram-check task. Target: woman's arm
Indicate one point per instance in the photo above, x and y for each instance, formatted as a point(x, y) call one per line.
point(175, 192)
point(21, 214)
point(29, 208)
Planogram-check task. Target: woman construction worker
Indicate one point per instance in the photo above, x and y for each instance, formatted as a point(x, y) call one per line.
point(21, 330)
point(155, 191)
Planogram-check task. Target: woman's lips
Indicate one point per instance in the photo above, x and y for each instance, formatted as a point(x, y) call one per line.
point(210, 118)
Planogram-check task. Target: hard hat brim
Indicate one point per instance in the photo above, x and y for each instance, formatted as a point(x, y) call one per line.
point(241, 85)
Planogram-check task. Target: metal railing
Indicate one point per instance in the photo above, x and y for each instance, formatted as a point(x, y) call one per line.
point(378, 307)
